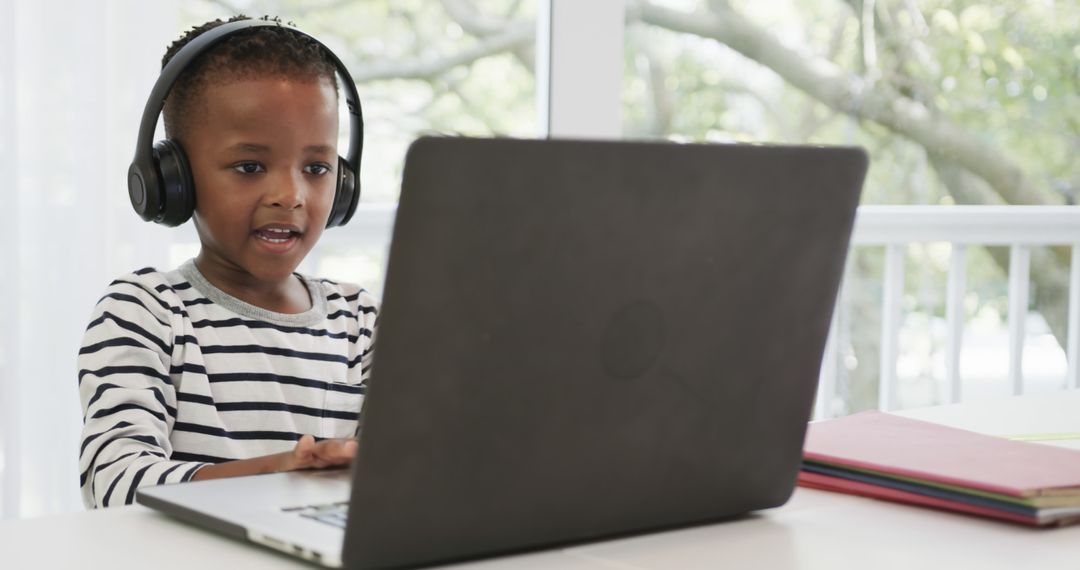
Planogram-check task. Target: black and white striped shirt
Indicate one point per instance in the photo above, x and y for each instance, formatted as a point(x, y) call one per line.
point(174, 374)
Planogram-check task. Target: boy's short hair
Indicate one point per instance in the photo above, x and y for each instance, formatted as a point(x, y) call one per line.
point(257, 52)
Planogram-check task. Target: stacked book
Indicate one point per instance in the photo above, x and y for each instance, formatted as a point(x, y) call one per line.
point(889, 457)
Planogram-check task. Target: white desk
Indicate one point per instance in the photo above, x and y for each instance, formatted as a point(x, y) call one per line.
point(815, 530)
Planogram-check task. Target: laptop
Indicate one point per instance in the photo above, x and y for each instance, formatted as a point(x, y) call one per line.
point(578, 340)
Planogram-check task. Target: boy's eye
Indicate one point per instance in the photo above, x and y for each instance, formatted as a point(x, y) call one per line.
point(317, 169)
point(248, 167)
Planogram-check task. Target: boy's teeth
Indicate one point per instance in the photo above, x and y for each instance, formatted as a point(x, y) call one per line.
point(274, 235)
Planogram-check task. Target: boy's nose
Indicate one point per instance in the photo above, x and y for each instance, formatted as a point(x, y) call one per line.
point(287, 193)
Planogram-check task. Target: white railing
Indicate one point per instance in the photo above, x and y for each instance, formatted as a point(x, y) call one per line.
point(895, 227)
point(1018, 227)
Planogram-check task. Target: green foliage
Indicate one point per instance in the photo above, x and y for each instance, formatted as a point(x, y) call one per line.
point(1008, 72)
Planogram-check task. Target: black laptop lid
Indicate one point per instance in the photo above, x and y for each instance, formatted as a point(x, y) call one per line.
point(586, 339)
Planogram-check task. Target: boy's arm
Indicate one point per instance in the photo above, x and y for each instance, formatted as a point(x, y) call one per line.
point(128, 400)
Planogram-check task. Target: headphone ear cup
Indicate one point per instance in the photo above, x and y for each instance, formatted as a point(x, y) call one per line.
point(177, 185)
point(346, 195)
point(143, 190)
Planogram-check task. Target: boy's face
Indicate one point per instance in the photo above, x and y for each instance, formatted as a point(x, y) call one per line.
point(263, 155)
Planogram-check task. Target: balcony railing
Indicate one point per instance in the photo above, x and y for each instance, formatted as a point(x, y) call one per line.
point(1018, 227)
point(895, 228)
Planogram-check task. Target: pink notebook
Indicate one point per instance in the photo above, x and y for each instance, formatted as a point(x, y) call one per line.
point(931, 452)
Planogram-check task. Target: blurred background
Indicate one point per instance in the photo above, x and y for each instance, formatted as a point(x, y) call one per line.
point(956, 101)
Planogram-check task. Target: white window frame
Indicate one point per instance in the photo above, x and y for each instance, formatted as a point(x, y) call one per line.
point(579, 47)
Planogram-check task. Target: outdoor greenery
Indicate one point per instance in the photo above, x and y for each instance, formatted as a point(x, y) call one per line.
point(957, 102)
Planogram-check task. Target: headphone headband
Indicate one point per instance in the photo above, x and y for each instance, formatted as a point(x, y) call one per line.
point(147, 188)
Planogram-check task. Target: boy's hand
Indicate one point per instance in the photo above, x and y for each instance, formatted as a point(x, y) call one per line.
point(311, 455)
point(306, 455)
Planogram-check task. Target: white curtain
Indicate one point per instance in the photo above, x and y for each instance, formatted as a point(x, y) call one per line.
point(73, 81)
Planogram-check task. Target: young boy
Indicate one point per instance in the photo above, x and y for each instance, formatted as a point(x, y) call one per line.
point(233, 364)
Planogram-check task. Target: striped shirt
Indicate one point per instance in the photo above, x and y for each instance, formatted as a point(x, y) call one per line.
point(175, 374)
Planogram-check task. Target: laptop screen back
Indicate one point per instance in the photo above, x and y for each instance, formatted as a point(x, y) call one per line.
point(587, 339)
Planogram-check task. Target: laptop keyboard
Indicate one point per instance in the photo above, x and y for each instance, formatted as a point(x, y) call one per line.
point(334, 514)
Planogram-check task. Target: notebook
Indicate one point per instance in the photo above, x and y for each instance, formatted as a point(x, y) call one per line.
point(895, 458)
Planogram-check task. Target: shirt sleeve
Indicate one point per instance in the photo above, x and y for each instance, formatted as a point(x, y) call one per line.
point(128, 399)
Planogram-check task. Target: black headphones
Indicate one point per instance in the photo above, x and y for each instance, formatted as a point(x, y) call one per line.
point(159, 180)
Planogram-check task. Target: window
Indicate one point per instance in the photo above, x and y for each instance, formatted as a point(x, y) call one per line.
point(957, 102)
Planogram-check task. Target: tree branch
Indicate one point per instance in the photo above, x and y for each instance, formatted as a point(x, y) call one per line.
point(466, 15)
point(470, 19)
point(513, 37)
point(849, 94)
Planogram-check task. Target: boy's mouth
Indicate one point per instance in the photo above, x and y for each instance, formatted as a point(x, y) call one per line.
point(277, 234)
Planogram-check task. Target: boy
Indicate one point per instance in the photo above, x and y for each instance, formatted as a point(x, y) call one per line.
point(233, 364)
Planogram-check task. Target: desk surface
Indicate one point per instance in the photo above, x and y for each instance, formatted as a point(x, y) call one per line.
point(815, 530)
